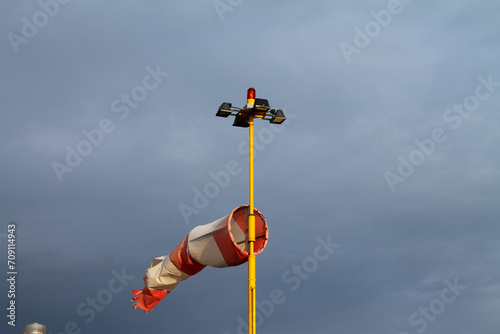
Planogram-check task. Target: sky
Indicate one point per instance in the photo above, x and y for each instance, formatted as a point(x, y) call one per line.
point(380, 190)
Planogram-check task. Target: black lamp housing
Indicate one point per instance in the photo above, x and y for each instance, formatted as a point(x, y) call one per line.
point(224, 110)
point(241, 122)
point(261, 105)
point(278, 117)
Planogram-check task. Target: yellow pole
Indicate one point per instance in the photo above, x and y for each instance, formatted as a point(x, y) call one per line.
point(251, 241)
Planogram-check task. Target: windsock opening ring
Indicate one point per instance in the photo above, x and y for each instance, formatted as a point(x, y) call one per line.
point(230, 235)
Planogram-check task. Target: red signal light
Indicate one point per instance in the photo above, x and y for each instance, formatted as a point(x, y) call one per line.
point(251, 93)
point(250, 97)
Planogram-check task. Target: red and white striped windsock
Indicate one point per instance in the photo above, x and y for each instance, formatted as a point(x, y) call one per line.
point(220, 244)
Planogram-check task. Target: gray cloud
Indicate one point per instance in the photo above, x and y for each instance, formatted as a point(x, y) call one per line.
point(321, 174)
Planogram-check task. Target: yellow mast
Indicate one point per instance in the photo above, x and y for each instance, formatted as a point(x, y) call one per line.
point(251, 241)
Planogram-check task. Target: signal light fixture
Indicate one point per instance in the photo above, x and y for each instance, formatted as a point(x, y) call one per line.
point(255, 108)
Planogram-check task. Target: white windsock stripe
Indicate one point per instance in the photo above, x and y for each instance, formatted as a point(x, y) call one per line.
point(238, 234)
point(202, 246)
point(164, 275)
point(202, 230)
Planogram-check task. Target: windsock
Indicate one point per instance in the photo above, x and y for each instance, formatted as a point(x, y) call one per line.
point(222, 243)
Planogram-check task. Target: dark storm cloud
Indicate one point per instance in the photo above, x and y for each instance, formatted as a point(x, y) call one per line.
point(84, 242)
